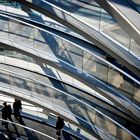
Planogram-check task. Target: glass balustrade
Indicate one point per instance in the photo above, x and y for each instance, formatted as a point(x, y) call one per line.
point(66, 83)
point(28, 13)
point(94, 16)
point(47, 44)
point(64, 102)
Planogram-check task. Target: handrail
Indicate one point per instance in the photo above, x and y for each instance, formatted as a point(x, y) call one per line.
point(87, 75)
point(86, 50)
point(100, 82)
point(33, 80)
point(23, 126)
point(66, 83)
point(82, 72)
point(73, 98)
point(69, 13)
point(90, 76)
point(105, 61)
point(133, 67)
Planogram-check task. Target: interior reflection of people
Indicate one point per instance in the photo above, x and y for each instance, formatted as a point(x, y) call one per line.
point(17, 107)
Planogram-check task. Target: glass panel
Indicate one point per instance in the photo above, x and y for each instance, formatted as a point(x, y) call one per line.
point(41, 40)
point(135, 48)
point(95, 67)
point(9, 53)
point(123, 135)
point(63, 101)
point(127, 88)
point(104, 136)
point(81, 95)
point(70, 54)
point(115, 78)
point(30, 131)
point(110, 27)
point(65, 4)
point(2, 51)
point(21, 33)
point(87, 11)
point(18, 55)
point(8, 3)
point(121, 82)
point(4, 78)
point(20, 84)
point(3, 27)
point(68, 103)
point(41, 91)
point(137, 94)
point(42, 78)
point(106, 124)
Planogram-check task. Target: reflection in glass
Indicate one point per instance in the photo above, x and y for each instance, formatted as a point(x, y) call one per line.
point(21, 33)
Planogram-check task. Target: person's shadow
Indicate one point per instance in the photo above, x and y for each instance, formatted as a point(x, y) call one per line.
point(31, 135)
point(8, 132)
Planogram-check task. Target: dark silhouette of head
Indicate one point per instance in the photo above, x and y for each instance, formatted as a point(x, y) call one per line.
point(5, 104)
point(16, 99)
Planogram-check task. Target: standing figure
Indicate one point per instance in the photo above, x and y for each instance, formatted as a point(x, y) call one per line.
point(59, 125)
point(17, 109)
point(6, 114)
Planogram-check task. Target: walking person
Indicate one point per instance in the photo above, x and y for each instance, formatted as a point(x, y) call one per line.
point(6, 114)
point(17, 107)
point(59, 126)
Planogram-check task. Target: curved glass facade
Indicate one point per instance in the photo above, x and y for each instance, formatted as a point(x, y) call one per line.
point(23, 37)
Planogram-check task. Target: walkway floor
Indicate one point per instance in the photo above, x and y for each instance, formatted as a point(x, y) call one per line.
point(26, 134)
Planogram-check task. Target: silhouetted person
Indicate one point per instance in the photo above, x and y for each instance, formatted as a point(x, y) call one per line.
point(17, 107)
point(6, 114)
point(59, 125)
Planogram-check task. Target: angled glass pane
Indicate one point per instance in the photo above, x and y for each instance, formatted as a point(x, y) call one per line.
point(21, 33)
point(135, 48)
point(110, 27)
point(20, 83)
point(70, 54)
point(4, 78)
point(95, 67)
point(4, 22)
